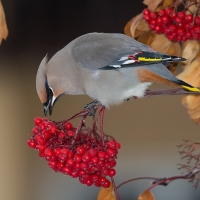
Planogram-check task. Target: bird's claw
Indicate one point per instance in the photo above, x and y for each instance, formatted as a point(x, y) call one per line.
point(91, 107)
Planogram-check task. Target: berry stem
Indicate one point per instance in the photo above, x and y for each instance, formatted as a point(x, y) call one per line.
point(102, 109)
point(115, 189)
point(177, 91)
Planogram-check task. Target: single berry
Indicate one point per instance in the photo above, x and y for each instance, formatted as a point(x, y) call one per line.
point(68, 126)
point(181, 14)
point(32, 143)
point(37, 121)
point(80, 150)
point(153, 15)
point(67, 170)
point(162, 13)
point(146, 12)
point(111, 172)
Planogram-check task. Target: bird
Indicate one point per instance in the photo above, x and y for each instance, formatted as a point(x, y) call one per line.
point(108, 67)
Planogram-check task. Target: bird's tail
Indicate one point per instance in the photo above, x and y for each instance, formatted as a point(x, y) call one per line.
point(187, 86)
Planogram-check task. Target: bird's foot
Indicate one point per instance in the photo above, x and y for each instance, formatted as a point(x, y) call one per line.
point(92, 107)
point(127, 99)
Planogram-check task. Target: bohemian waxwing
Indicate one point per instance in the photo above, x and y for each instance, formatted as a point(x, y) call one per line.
point(108, 67)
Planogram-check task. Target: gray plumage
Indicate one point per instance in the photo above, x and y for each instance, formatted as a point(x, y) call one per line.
point(78, 69)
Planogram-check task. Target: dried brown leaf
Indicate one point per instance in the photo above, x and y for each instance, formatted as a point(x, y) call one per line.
point(146, 37)
point(167, 3)
point(172, 68)
point(191, 72)
point(131, 26)
point(174, 49)
point(190, 50)
point(191, 75)
point(143, 26)
point(146, 195)
point(161, 43)
point(152, 4)
point(3, 25)
point(106, 193)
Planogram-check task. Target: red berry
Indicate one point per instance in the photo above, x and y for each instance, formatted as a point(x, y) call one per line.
point(92, 152)
point(97, 184)
point(170, 37)
point(31, 143)
point(168, 11)
point(61, 135)
point(52, 129)
point(188, 18)
point(106, 184)
point(178, 20)
point(77, 158)
point(159, 21)
point(153, 15)
point(188, 35)
point(48, 152)
point(197, 20)
point(113, 163)
point(63, 153)
point(70, 163)
point(180, 25)
point(180, 31)
point(40, 148)
point(172, 28)
point(161, 13)
point(107, 165)
point(66, 170)
point(146, 12)
point(74, 174)
point(197, 29)
point(173, 15)
point(147, 18)
point(118, 145)
point(111, 172)
point(39, 139)
point(181, 14)
point(111, 153)
point(89, 182)
point(77, 166)
point(94, 160)
point(37, 121)
point(36, 130)
point(70, 133)
point(60, 165)
point(94, 177)
point(56, 151)
point(111, 144)
point(167, 31)
point(165, 19)
point(84, 166)
point(70, 155)
point(86, 158)
point(52, 164)
point(101, 155)
point(68, 126)
point(46, 134)
point(80, 150)
point(152, 22)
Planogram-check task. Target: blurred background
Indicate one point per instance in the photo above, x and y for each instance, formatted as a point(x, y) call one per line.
point(148, 129)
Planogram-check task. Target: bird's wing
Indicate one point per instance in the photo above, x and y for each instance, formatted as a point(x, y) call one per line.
point(99, 50)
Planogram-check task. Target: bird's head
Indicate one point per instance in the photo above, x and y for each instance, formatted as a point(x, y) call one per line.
point(47, 87)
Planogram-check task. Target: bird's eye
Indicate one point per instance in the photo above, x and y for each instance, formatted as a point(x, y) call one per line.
point(50, 91)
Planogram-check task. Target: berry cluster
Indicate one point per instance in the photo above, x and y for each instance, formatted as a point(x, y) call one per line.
point(81, 155)
point(177, 26)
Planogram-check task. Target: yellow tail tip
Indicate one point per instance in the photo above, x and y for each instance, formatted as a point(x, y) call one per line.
point(193, 89)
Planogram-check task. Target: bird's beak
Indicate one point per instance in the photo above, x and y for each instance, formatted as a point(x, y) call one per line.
point(48, 105)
